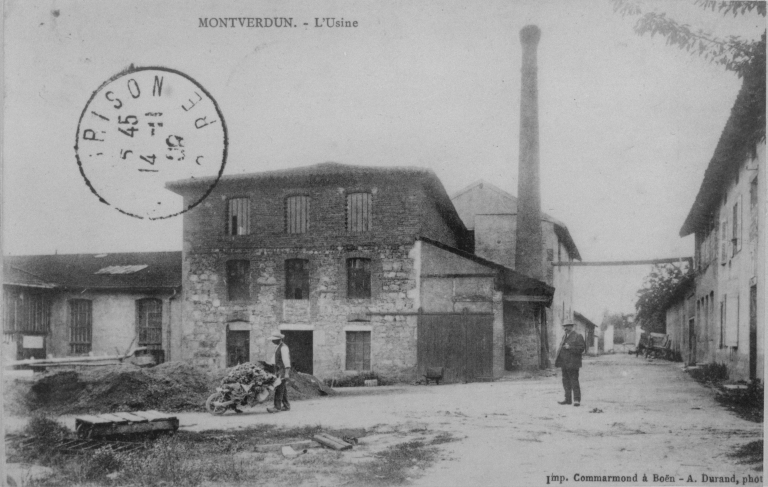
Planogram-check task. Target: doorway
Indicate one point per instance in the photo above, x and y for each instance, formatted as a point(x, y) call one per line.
point(300, 344)
point(753, 332)
point(238, 347)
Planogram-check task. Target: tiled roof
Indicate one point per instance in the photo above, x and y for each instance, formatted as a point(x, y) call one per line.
point(87, 271)
point(583, 318)
point(743, 130)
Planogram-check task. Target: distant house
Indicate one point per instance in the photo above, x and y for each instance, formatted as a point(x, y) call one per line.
point(80, 304)
point(361, 268)
point(586, 328)
point(679, 312)
point(490, 214)
point(726, 314)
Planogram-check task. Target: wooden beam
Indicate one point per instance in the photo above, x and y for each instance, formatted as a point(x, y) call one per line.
point(673, 260)
point(530, 299)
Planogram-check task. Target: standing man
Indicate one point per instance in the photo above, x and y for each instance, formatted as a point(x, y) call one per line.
point(569, 360)
point(281, 359)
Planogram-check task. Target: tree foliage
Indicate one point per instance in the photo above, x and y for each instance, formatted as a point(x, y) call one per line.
point(736, 54)
point(658, 288)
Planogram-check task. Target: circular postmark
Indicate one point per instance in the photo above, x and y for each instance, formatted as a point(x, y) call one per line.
point(143, 128)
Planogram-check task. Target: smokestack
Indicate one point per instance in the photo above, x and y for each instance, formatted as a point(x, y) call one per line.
point(528, 255)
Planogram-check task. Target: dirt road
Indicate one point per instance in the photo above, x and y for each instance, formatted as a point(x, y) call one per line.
point(655, 420)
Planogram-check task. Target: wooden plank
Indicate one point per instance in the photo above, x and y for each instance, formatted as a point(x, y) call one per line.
point(149, 416)
point(154, 414)
point(113, 418)
point(332, 442)
point(87, 418)
point(132, 417)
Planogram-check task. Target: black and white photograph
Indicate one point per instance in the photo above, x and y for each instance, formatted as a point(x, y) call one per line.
point(383, 243)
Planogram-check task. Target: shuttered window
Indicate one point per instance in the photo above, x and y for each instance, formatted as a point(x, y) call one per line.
point(26, 311)
point(358, 350)
point(359, 211)
point(238, 280)
point(297, 214)
point(736, 236)
point(239, 216)
point(149, 320)
point(296, 279)
point(359, 278)
point(80, 326)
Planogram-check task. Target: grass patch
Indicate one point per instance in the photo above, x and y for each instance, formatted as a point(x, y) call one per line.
point(400, 463)
point(231, 457)
point(750, 454)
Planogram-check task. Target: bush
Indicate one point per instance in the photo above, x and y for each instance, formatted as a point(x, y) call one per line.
point(356, 380)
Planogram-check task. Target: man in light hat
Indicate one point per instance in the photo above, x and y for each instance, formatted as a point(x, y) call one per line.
point(281, 360)
point(569, 360)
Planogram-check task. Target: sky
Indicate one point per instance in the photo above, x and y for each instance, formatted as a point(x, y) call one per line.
point(627, 124)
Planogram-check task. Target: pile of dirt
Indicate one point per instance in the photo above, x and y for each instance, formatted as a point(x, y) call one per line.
point(172, 386)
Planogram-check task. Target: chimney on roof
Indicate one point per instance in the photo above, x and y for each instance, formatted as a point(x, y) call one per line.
point(528, 242)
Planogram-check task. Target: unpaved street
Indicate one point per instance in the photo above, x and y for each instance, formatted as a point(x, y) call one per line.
point(655, 420)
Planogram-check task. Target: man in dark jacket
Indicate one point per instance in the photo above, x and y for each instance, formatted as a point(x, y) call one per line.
point(569, 360)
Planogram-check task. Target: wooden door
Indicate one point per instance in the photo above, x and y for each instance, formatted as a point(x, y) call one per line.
point(300, 346)
point(460, 343)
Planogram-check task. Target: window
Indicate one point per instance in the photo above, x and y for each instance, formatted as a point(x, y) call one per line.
point(80, 326)
point(359, 278)
point(26, 312)
point(238, 216)
point(358, 350)
point(296, 279)
point(736, 236)
point(149, 322)
point(359, 212)
point(723, 319)
point(297, 214)
point(239, 280)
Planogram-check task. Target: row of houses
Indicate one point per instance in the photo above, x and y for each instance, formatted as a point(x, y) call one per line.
point(362, 268)
point(717, 315)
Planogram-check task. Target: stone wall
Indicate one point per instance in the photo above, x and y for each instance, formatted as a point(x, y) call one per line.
point(328, 312)
point(521, 347)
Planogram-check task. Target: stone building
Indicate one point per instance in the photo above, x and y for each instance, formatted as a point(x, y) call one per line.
point(726, 312)
point(586, 328)
point(490, 215)
point(361, 268)
point(81, 304)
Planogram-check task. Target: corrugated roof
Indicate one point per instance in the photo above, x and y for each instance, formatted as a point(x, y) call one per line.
point(81, 271)
point(743, 131)
point(510, 207)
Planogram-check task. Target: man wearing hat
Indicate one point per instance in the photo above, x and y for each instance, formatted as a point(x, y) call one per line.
point(281, 360)
point(569, 360)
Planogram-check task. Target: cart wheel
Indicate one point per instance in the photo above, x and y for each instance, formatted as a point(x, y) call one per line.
point(213, 408)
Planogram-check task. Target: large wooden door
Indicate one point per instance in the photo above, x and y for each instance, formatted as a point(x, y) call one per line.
point(461, 343)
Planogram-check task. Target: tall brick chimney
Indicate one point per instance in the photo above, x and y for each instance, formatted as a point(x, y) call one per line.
point(528, 255)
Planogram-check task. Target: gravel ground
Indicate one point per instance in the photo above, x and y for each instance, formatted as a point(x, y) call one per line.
point(654, 420)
